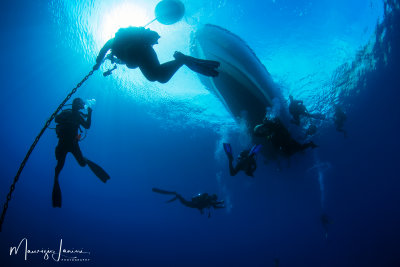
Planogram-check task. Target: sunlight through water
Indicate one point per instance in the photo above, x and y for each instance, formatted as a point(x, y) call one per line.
point(306, 58)
point(121, 16)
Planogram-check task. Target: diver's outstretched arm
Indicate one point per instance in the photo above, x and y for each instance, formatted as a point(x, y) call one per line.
point(103, 52)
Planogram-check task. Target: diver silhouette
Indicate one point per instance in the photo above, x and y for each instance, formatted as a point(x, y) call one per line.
point(297, 109)
point(277, 134)
point(246, 161)
point(199, 201)
point(68, 124)
point(133, 46)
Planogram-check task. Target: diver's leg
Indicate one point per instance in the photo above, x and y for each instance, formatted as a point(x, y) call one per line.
point(61, 154)
point(160, 191)
point(233, 170)
point(202, 66)
point(153, 70)
point(171, 200)
point(96, 169)
point(184, 201)
point(228, 151)
point(76, 151)
point(251, 169)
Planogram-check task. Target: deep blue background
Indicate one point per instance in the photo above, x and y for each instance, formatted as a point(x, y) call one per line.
point(141, 145)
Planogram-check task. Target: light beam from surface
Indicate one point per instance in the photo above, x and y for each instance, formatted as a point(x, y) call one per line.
point(122, 16)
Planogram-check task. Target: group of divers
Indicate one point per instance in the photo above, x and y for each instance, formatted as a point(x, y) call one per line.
point(133, 47)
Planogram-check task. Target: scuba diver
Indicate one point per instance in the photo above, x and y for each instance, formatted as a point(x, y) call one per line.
point(275, 131)
point(297, 109)
point(133, 46)
point(246, 161)
point(340, 117)
point(199, 201)
point(326, 221)
point(68, 124)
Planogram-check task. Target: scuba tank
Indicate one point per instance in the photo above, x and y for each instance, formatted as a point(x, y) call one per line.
point(66, 125)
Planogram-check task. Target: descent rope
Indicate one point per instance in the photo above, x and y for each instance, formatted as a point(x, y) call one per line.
point(21, 167)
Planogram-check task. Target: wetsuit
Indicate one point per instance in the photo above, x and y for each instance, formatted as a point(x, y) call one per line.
point(200, 201)
point(134, 47)
point(244, 163)
point(279, 136)
point(296, 108)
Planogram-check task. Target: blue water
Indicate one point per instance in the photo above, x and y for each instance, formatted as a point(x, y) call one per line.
point(169, 136)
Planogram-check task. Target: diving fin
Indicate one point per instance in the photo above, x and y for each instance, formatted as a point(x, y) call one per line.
point(254, 150)
point(160, 191)
point(98, 171)
point(202, 66)
point(56, 195)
